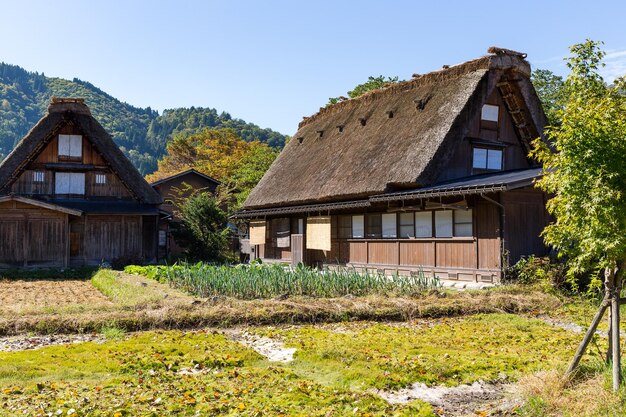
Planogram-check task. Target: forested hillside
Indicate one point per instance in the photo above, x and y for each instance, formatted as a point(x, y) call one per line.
point(141, 133)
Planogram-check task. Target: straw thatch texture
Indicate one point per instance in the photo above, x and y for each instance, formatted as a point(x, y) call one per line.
point(59, 114)
point(398, 136)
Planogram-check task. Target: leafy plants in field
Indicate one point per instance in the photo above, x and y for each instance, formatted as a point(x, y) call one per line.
point(272, 280)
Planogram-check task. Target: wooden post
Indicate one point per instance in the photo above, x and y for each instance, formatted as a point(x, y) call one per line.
point(615, 336)
point(590, 332)
point(609, 350)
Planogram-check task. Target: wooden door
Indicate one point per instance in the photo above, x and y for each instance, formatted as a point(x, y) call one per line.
point(297, 249)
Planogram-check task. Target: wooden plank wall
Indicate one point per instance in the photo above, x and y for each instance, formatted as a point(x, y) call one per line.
point(32, 236)
point(525, 216)
point(112, 237)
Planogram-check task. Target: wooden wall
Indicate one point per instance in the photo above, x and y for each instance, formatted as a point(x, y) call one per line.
point(32, 236)
point(95, 238)
point(471, 258)
point(113, 187)
point(525, 219)
point(514, 156)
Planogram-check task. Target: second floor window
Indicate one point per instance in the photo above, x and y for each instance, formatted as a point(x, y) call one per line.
point(39, 176)
point(70, 146)
point(101, 179)
point(489, 159)
point(69, 183)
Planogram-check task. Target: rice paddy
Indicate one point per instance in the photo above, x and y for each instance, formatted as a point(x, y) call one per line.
point(262, 281)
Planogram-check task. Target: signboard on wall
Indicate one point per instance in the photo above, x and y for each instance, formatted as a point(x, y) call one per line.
point(257, 232)
point(318, 233)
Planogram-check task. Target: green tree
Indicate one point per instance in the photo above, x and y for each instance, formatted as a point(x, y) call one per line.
point(584, 167)
point(203, 229)
point(584, 171)
point(551, 91)
point(248, 172)
point(372, 83)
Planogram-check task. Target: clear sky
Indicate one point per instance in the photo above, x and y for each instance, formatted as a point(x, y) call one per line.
point(272, 62)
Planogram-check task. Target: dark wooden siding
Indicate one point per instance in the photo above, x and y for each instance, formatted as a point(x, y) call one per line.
point(32, 236)
point(525, 219)
point(113, 187)
point(514, 156)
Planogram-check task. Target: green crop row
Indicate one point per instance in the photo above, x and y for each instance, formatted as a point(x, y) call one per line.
point(256, 281)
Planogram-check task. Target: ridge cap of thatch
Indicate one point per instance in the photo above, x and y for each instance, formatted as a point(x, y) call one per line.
point(72, 104)
point(498, 58)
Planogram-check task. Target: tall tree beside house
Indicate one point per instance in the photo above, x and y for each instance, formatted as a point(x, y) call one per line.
point(586, 174)
point(221, 154)
point(551, 91)
point(203, 228)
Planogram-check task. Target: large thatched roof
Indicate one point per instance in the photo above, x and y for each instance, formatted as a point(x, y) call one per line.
point(60, 112)
point(395, 137)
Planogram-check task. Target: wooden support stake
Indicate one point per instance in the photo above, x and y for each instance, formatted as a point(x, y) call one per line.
point(617, 372)
point(590, 332)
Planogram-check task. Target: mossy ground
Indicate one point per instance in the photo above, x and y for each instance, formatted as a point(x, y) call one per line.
point(334, 368)
point(439, 337)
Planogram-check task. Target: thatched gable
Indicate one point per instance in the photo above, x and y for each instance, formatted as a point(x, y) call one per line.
point(399, 136)
point(61, 112)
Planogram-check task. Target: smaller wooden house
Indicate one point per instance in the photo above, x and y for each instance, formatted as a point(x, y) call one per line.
point(69, 196)
point(173, 190)
point(429, 174)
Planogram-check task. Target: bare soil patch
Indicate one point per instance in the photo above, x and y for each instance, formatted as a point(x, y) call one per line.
point(26, 296)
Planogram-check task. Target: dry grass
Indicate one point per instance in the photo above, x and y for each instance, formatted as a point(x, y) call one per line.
point(137, 303)
point(548, 394)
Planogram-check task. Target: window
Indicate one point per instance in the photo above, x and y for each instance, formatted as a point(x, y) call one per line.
point(162, 238)
point(424, 224)
point(70, 146)
point(69, 183)
point(389, 226)
point(39, 176)
point(489, 113)
point(101, 179)
point(344, 225)
point(358, 229)
point(374, 226)
point(487, 159)
point(407, 225)
point(463, 223)
point(443, 223)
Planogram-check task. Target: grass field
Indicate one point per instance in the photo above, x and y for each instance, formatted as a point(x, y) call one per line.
point(333, 372)
point(347, 348)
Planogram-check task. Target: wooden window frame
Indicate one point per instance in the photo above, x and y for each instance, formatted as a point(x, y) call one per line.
point(39, 177)
point(98, 176)
point(69, 156)
point(369, 233)
point(412, 226)
point(455, 222)
point(487, 149)
point(490, 124)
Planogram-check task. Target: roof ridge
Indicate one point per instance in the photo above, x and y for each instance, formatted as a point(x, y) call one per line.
point(498, 58)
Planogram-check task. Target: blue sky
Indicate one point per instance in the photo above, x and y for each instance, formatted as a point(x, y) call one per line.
point(273, 62)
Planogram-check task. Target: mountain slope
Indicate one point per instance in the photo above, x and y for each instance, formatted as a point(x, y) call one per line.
point(142, 134)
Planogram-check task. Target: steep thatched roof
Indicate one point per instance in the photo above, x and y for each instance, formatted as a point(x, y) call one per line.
point(60, 112)
point(398, 136)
